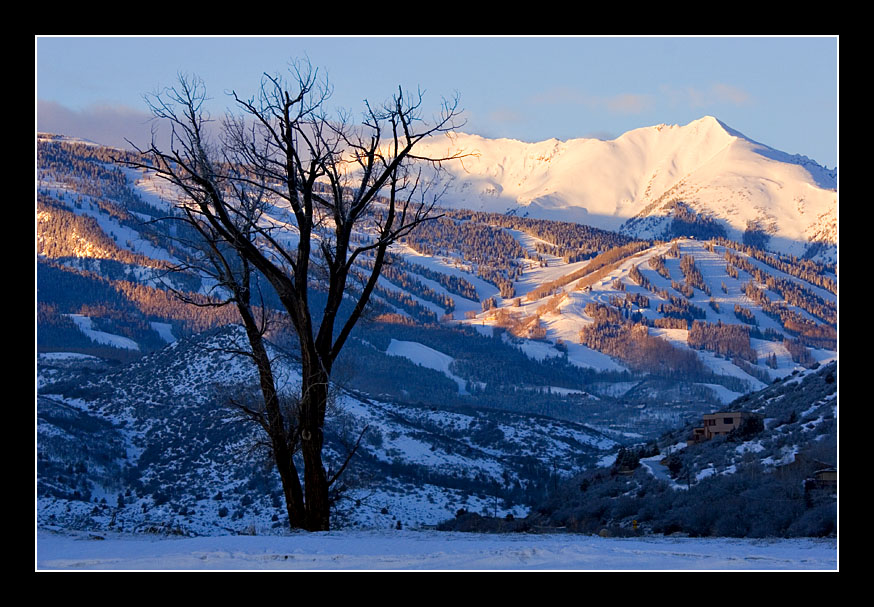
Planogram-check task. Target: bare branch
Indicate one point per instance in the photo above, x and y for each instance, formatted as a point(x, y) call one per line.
point(348, 458)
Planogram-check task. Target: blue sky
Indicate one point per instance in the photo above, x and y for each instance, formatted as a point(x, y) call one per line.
point(780, 91)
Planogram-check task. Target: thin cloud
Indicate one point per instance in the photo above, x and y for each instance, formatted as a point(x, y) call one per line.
point(104, 124)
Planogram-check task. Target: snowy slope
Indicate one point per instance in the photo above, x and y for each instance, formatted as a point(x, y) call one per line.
point(726, 292)
point(426, 357)
point(617, 184)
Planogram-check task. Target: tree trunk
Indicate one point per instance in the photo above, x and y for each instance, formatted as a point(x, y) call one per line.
point(313, 406)
point(276, 427)
point(294, 500)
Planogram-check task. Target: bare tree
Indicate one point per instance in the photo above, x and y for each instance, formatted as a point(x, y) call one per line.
point(307, 202)
point(231, 281)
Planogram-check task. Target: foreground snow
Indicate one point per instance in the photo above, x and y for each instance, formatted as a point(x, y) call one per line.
point(428, 550)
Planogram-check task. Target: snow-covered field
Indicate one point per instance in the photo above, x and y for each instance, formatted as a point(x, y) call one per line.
point(428, 550)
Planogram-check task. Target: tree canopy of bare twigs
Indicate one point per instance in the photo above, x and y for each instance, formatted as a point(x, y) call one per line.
point(301, 199)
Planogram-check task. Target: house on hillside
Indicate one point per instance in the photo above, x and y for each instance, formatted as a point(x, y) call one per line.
point(817, 474)
point(826, 478)
point(819, 478)
point(716, 424)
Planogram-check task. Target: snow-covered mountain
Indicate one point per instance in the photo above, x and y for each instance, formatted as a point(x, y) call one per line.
point(536, 285)
point(633, 183)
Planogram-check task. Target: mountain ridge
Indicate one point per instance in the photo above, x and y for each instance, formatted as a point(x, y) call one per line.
point(721, 173)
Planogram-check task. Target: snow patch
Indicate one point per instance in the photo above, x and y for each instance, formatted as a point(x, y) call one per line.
point(86, 325)
point(429, 358)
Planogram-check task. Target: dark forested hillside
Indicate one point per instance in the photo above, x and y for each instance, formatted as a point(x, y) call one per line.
point(770, 479)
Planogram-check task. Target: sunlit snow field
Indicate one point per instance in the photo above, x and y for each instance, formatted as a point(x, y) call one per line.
point(428, 550)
